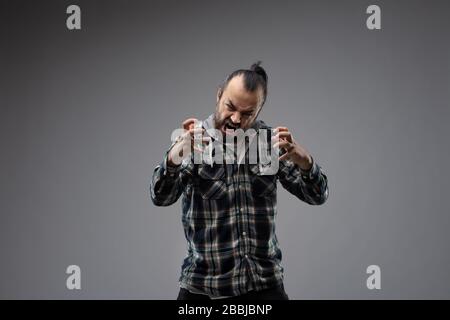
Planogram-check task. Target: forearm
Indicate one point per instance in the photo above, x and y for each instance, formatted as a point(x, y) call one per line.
point(310, 186)
point(165, 187)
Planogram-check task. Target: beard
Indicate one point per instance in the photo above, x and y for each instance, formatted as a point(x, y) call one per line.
point(224, 125)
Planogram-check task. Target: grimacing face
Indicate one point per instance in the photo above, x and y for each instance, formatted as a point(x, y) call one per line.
point(237, 108)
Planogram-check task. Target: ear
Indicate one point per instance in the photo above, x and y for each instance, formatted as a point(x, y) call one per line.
point(219, 94)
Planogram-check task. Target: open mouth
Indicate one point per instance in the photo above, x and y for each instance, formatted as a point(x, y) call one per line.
point(229, 128)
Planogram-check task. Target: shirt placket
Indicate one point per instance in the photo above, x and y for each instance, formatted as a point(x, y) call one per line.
point(242, 184)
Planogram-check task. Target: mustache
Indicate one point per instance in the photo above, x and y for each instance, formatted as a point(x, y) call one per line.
point(230, 123)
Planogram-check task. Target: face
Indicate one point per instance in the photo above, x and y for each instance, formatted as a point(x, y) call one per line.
point(236, 107)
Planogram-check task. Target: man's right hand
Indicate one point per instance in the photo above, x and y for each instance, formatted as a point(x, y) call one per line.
point(183, 147)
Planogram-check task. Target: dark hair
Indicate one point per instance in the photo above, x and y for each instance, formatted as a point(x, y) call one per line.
point(254, 78)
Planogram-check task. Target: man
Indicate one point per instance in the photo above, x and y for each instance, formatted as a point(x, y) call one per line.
point(229, 208)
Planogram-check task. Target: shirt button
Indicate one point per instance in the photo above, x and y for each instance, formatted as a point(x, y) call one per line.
point(244, 233)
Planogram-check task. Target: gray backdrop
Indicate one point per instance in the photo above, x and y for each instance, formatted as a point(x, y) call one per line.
point(86, 116)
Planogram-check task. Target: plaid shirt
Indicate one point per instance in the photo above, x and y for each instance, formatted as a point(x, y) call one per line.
point(228, 215)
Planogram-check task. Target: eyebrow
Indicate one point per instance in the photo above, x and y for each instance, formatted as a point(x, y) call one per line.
point(231, 103)
point(234, 107)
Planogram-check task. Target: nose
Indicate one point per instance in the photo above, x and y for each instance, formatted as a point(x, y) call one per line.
point(236, 118)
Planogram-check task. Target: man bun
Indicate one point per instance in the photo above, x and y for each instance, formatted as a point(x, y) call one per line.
point(256, 67)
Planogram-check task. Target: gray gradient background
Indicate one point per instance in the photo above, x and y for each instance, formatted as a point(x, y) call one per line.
point(86, 116)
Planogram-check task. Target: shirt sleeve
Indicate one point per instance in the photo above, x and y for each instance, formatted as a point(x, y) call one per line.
point(309, 186)
point(166, 184)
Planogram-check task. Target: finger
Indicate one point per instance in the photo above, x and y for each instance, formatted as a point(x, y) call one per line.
point(198, 149)
point(280, 129)
point(203, 141)
point(284, 156)
point(196, 131)
point(283, 135)
point(188, 135)
point(189, 123)
point(282, 144)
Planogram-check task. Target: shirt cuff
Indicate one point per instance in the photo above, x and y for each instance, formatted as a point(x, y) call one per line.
point(311, 174)
point(171, 171)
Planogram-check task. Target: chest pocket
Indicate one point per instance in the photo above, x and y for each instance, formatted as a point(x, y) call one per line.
point(211, 182)
point(262, 185)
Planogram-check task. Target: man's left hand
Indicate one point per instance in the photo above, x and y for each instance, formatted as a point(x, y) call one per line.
point(294, 151)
